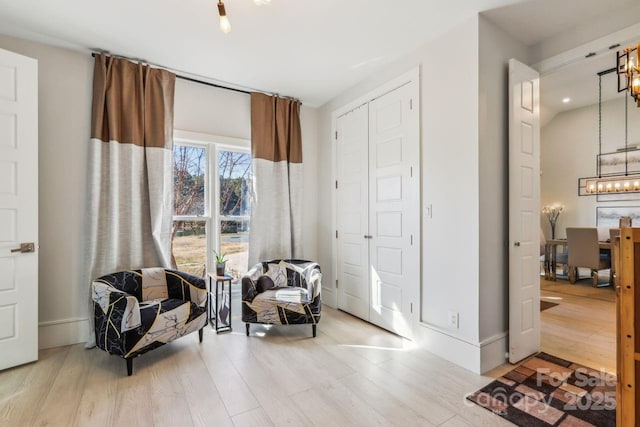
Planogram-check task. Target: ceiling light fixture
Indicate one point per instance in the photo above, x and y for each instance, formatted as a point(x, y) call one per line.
point(225, 24)
point(566, 100)
point(628, 67)
point(617, 172)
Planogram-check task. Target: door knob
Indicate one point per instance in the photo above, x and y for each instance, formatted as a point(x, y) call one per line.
point(367, 236)
point(516, 244)
point(25, 248)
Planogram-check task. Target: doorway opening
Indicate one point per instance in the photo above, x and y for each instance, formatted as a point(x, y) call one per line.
point(585, 125)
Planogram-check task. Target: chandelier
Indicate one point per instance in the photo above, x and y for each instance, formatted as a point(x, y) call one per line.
point(617, 172)
point(629, 68)
point(225, 24)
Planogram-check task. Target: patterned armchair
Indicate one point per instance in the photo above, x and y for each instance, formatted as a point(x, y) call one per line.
point(139, 310)
point(282, 292)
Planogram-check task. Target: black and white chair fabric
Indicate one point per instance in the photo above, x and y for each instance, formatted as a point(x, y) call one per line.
point(139, 310)
point(282, 292)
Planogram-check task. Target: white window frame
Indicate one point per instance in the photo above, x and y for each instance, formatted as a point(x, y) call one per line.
point(213, 144)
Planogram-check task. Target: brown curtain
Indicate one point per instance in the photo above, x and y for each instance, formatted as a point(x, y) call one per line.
point(130, 167)
point(276, 148)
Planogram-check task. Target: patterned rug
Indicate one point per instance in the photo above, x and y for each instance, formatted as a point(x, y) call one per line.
point(549, 391)
point(545, 305)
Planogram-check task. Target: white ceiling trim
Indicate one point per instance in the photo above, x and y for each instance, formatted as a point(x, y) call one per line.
point(624, 37)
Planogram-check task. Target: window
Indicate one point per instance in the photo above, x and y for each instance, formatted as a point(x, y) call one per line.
point(191, 220)
point(234, 183)
point(203, 223)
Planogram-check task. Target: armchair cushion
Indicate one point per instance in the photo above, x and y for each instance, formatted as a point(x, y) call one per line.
point(264, 283)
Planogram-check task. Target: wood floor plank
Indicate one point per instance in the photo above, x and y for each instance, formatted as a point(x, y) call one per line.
point(97, 404)
point(390, 407)
point(253, 418)
point(63, 399)
point(169, 406)
point(21, 405)
point(235, 393)
point(273, 394)
point(202, 396)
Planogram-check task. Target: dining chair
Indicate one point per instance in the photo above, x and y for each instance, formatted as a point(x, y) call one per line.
point(584, 251)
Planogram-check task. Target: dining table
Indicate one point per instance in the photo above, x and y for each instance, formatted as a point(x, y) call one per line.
point(551, 252)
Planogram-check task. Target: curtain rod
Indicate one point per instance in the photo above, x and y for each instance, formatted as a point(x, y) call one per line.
point(182, 75)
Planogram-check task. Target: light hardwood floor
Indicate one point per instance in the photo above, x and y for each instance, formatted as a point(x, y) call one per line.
point(352, 374)
point(582, 328)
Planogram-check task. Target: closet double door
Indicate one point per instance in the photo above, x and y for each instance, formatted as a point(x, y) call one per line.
point(378, 210)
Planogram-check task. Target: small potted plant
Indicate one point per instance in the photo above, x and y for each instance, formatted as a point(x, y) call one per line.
point(221, 262)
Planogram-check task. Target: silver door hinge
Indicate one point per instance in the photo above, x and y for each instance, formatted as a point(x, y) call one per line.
point(411, 307)
point(336, 234)
point(336, 135)
point(411, 104)
point(412, 240)
point(411, 171)
point(336, 283)
point(336, 184)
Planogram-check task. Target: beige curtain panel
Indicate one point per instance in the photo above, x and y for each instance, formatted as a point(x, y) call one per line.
point(130, 170)
point(276, 149)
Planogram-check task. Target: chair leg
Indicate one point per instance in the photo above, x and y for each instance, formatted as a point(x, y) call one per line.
point(247, 327)
point(313, 328)
point(129, 367)
point(200, 334)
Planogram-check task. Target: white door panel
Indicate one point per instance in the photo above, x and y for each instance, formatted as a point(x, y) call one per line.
point(394, 212)
point(524, 211)
point(352, 212)
point(18, 209)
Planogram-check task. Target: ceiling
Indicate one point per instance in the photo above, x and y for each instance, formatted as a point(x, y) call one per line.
point(312, 50)
point(569, 23)
point(533, 22)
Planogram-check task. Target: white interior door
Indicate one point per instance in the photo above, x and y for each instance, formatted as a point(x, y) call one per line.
point(352, 211)
point(524, 211)
point(18, 209)
point(394, 209)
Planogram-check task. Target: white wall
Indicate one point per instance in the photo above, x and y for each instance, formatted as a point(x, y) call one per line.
point(65, 91)
point(450, 169)
point(569, 149)
point(496, 48)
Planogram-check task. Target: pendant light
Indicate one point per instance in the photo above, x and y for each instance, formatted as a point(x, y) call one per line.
point(225, 24)
point(619, 182)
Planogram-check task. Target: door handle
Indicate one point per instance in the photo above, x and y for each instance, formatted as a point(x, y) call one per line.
point(25, 248)
point(517, 244)
point(367, 236)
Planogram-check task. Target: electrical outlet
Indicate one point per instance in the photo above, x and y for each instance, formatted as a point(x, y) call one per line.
point(452, 319)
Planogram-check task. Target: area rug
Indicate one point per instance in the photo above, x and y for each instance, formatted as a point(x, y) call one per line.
point(549, 391)
point(545, 305)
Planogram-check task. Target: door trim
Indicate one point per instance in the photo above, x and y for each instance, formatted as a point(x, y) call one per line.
point(330, 296)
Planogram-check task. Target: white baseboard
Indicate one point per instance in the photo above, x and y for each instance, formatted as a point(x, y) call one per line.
point(492, 352)
point(329, 297)
point(477, 357)
point(449, 347)
point(58, 333)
